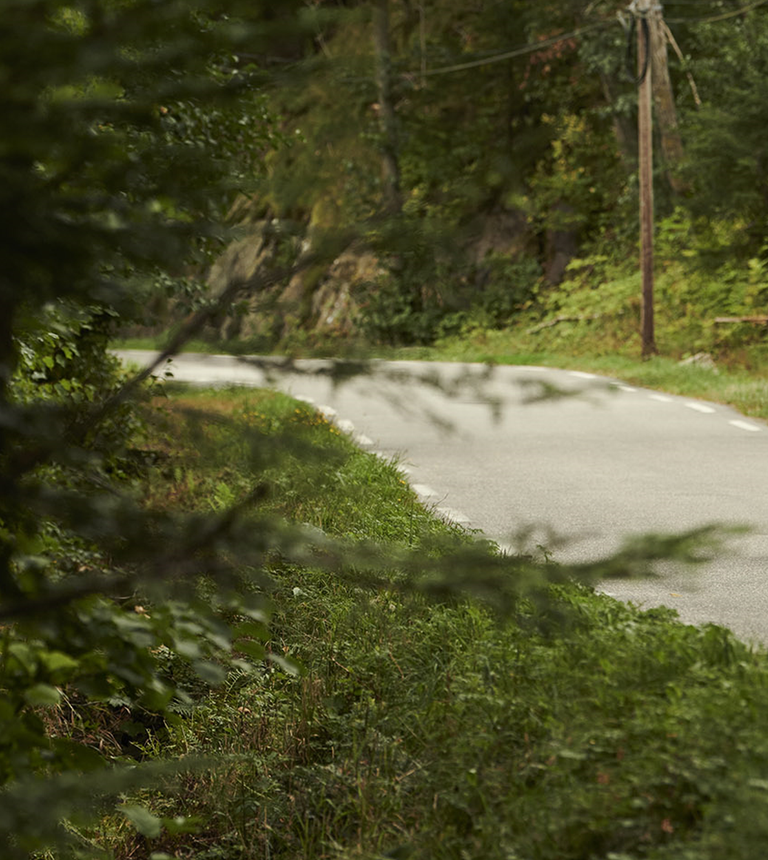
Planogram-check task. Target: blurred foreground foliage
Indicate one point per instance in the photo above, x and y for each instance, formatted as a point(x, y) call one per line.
point(128, 128)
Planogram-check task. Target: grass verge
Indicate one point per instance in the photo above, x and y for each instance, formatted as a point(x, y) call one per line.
point(575, 728)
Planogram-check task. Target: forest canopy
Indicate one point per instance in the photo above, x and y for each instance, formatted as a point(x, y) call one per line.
point(477, 153)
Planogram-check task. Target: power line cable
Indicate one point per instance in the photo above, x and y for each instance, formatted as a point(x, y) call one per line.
point(545, 43)
point(721, 17)
point(698, 3)
point(521, 51)
point(638, 79)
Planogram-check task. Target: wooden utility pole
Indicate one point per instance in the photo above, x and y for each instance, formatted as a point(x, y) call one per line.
point(642, 9)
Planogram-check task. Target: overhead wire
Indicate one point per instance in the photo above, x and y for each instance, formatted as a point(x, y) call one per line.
point(532, 48)
point(519, 52)
point(638, 79)
point(721, 17)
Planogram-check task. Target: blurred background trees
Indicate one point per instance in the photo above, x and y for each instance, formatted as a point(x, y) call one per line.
point(509, 130)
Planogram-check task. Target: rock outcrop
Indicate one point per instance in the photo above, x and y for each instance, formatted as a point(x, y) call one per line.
point(324, 299)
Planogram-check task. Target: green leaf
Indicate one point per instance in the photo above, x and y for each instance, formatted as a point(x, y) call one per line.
point(252, 629)
point(187, 648)
point(572, 754)
point(56, 661)
point(42, 695)
point(157, 699)
point(77, 756)
point(292, 667)
point(211, 673)
point(24, 654)
point(143, 820)
point(182, 824)
point(255, 650)
point(256, 612)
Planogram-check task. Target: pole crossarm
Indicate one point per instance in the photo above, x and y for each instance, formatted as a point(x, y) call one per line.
point(641, 10)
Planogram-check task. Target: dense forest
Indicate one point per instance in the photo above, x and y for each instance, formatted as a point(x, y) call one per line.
point(225, 632)
point(480, 156)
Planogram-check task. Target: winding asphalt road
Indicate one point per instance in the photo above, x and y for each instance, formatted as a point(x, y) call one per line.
point(491, 450)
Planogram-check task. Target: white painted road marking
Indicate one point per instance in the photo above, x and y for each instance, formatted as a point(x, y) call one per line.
point(745, 425)
point(483, 477)
point(662, 398)
point(700, 407)
point(627, 388)
point(453, 515)
point(579, 374)
point(424, 490)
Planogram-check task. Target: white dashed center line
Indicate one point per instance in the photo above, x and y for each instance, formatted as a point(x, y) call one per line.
point(427, 494)
point(700, 407)
point(454, 516)
point(424, 491)
point(745, 425)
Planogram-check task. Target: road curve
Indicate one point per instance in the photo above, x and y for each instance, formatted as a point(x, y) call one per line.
point(490, 449)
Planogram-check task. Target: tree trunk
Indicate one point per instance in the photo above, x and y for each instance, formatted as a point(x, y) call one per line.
point(664, 103)
point(387, 118)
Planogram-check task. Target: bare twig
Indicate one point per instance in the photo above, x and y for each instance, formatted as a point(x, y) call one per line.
point(193, 325)
point(758, 319)
point(673, 42)
point(562, 319)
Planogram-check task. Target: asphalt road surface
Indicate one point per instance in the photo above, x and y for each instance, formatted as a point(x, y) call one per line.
point(605, 461)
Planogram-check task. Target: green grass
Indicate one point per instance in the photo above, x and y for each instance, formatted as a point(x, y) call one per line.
point(158, 342)
point(572, 727)
point(225, 443)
